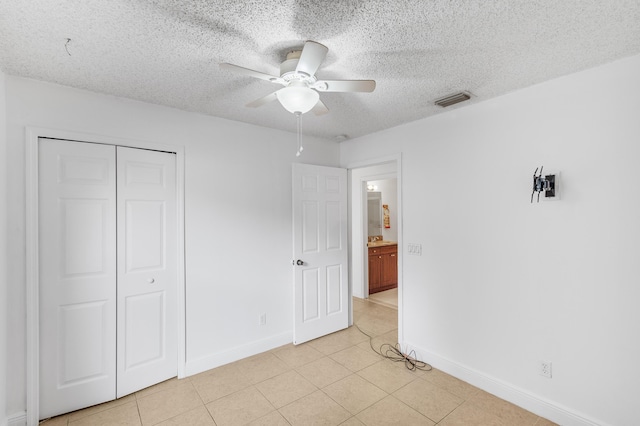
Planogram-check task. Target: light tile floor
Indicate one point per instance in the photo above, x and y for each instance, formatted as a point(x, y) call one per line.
point(387, 298)
point(334, 380)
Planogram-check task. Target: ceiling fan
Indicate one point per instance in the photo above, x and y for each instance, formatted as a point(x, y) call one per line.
point(297, 75)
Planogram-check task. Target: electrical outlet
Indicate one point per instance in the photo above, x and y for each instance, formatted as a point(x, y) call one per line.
point(545, 369)
point(263, 319)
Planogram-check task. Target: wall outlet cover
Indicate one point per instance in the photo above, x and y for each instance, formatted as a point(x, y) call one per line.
point(545, 369)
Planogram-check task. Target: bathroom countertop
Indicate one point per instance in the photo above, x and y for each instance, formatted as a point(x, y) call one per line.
point(381, 243)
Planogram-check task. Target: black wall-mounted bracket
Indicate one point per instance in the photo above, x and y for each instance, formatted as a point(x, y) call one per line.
point(547, 184)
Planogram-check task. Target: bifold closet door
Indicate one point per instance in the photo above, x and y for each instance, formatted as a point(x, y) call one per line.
point(108, 273)
point(147, 270)
point(77, 294)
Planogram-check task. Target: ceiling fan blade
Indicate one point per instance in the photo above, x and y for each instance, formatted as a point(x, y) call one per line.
point(311, 57)
point(264, 100)
point(250, 73)
point(320, 108)
point(345, 85)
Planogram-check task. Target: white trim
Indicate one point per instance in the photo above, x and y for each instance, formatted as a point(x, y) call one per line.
point(17, 419)
point(32, 276)
point(374, 161)
point(33, 134)
point(349, 265)
point(397, 159)
point(239, 352)
point(520, 397)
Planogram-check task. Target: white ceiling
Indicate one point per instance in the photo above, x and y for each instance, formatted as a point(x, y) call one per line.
point(167, 52)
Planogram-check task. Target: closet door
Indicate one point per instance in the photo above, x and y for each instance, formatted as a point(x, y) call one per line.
point(147, 270)
point(77, 294)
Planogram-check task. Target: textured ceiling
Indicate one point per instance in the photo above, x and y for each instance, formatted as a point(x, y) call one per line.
point(167, 52)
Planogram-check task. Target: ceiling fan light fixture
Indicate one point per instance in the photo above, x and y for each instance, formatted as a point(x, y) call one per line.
point(297, 98)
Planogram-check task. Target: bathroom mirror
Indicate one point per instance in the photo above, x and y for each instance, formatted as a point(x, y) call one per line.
point(374, 213)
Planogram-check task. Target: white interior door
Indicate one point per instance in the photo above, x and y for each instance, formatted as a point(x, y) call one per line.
point(147, 272)
point(321, 292)
point(77, 295)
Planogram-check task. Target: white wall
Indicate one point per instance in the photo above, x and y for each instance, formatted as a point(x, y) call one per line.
point(502, 283)
point(3, 252)
point(388, 189)
point(237, 213)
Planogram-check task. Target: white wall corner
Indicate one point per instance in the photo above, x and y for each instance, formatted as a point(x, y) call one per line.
point(506, 391)
point(238, 353)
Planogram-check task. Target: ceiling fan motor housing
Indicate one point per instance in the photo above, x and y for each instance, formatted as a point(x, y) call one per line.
point(288, 69)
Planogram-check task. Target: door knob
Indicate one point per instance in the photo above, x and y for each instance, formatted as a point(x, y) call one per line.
point(299, 262)
point(151, 280)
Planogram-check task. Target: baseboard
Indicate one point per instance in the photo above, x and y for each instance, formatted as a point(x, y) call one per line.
point(17, 419)
point(520, 397)
point(237, 353)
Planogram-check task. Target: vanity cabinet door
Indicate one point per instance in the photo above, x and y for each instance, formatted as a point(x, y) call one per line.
point(375, 271)
point(389, 271)
point(383, 268)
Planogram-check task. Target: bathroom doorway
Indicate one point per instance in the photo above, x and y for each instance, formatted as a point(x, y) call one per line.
point(359, 175)
point(382, 241)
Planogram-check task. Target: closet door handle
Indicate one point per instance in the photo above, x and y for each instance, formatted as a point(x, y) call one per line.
point(151, 280)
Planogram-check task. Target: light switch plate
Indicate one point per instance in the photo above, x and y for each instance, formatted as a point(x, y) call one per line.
point(414, 249)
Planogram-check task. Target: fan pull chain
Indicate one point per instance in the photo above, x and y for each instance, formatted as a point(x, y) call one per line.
point(300, 148)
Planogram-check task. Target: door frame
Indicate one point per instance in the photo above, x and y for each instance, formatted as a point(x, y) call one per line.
point(356, 250)
point(32, 136)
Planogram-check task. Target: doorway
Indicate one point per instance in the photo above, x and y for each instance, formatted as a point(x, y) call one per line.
point(359, 174)
point(381, 216)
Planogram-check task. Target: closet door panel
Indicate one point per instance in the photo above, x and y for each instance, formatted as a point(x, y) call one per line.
point(145, 328)
point(77, 295)
point(145, 221)
point(147, 273)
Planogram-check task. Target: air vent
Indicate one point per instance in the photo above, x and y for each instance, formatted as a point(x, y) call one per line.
point(453, 99)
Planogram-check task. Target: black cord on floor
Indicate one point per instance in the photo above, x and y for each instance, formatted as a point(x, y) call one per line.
point(395, 354)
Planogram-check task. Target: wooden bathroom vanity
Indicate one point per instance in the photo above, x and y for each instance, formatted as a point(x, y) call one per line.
point(383, 266)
